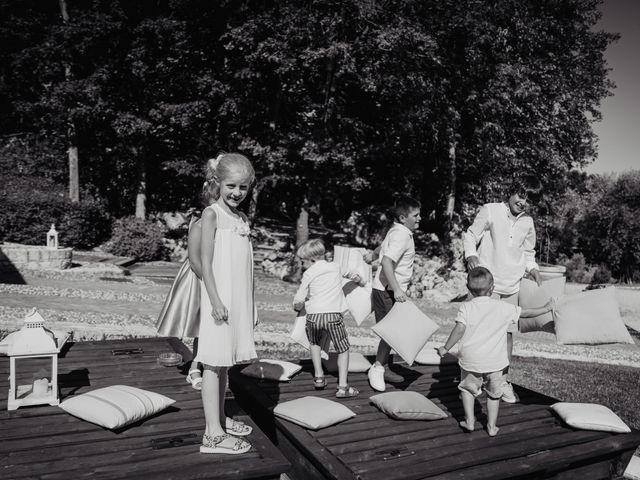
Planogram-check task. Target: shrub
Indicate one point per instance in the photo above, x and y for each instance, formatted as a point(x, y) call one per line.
point(577, 270)
point(601, 275)
point(28, 207)
point(134, 237)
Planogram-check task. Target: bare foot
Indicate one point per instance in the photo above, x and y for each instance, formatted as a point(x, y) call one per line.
point(468, 425)
point(492, 430)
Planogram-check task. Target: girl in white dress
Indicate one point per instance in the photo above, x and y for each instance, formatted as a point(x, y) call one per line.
point(227, 309)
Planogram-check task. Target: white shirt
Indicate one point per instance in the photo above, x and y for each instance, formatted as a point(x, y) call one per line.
point(483, 347)
point(398, 245)
point(507, 245)
point(321, 289)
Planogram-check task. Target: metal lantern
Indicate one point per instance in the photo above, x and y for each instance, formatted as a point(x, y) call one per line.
point(33, 341)
point(52, 237)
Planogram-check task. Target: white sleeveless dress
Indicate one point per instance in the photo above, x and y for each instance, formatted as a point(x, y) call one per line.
point(223, 344)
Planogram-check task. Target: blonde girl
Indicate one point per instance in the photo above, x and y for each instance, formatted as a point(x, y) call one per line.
point(227, 312)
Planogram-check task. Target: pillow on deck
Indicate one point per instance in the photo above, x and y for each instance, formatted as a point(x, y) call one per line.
point(116, 406)
point(313, 412)
point(429, 356)
point(408, 406)
point(357, 363)
point(406, 329)
point(268, 369)
point(590, 416)
point(533, 296)
point(590, 317)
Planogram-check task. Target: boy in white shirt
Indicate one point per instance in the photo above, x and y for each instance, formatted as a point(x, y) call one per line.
point(502, 238)
point(481, 327)
point(321, 295)
point(390, 284)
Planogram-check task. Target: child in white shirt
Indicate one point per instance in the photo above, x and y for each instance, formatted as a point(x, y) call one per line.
point(321, 295)
point(481, 327)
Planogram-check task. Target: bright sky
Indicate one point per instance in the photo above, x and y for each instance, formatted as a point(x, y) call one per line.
point(619, 130)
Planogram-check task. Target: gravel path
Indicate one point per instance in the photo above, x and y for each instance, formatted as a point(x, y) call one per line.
point(118, 306)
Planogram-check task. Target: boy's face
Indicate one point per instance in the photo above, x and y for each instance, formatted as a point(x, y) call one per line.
point(517, 204)
point(306, 263)
point(412, 219)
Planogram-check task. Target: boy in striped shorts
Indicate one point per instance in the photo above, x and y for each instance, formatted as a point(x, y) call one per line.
point(321, 295)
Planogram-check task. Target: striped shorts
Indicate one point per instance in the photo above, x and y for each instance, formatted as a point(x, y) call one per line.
point(331, 323)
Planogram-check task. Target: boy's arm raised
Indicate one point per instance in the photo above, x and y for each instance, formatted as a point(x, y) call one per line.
point(209, 224)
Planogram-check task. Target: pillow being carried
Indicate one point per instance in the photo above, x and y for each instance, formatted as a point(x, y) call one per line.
point(406, 329)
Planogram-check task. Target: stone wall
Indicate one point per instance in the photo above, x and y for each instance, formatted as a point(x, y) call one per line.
point(16, 256)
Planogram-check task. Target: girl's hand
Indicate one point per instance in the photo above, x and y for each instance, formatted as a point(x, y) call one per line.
point(368, 257)
point(441, 351)
point(219, 312)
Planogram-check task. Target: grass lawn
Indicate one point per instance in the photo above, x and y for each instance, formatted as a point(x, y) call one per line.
point(616, 387)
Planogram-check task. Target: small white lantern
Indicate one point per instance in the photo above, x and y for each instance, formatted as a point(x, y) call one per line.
point(52, 237)
point(33, 341)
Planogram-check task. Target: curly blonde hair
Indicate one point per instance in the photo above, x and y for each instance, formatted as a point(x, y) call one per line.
point(219, 168)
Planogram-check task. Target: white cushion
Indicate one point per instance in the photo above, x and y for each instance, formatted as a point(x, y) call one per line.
point(406, 329)
point(358, 297)
point(358, 300)
point(429, 356)
point(313, 412)
point(533, 296)
point(269, 369)
point(407, 406)
point(115, 406)
point(357, 363)
point(298, 334)
point(590, 317)
point(590, 416)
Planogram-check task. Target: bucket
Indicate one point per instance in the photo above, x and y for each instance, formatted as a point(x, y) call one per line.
point(547, 272)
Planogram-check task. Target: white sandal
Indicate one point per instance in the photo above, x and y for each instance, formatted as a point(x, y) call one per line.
point(237, 428)
point(197, 381)
point(232, 445)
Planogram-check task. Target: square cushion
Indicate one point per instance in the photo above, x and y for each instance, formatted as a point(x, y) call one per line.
point(406, 329)
point(407, 406)
point(313, 412)
point(357, 363)
point(429, 356)
point(298, 334)
point(358, 300)
point(358, 297)
point(590, 416)
point(269, 369)
point(590, 317)
point(115, 406)
point(533, 296)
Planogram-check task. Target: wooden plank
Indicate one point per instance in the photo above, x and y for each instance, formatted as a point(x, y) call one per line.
point(45, 442)
point(363, 447)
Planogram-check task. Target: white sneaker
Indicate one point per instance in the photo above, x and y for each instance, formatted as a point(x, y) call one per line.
point(376, 377)
point(508, 395)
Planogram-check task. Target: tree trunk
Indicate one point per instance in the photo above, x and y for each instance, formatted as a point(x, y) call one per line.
point(451, 187)
point(302, 225)
point(72, 151)
point(141, 196)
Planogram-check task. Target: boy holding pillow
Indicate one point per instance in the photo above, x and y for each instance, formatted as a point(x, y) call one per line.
point(390, 284)
point(481, 328)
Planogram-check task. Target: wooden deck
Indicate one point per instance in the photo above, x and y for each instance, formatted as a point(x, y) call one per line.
point(532, 442)
point(44, 442)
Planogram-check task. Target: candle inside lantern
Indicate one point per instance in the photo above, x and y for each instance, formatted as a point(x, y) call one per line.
point(40, 386)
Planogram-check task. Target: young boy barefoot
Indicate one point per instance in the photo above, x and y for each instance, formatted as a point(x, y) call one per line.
point(481, 327)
